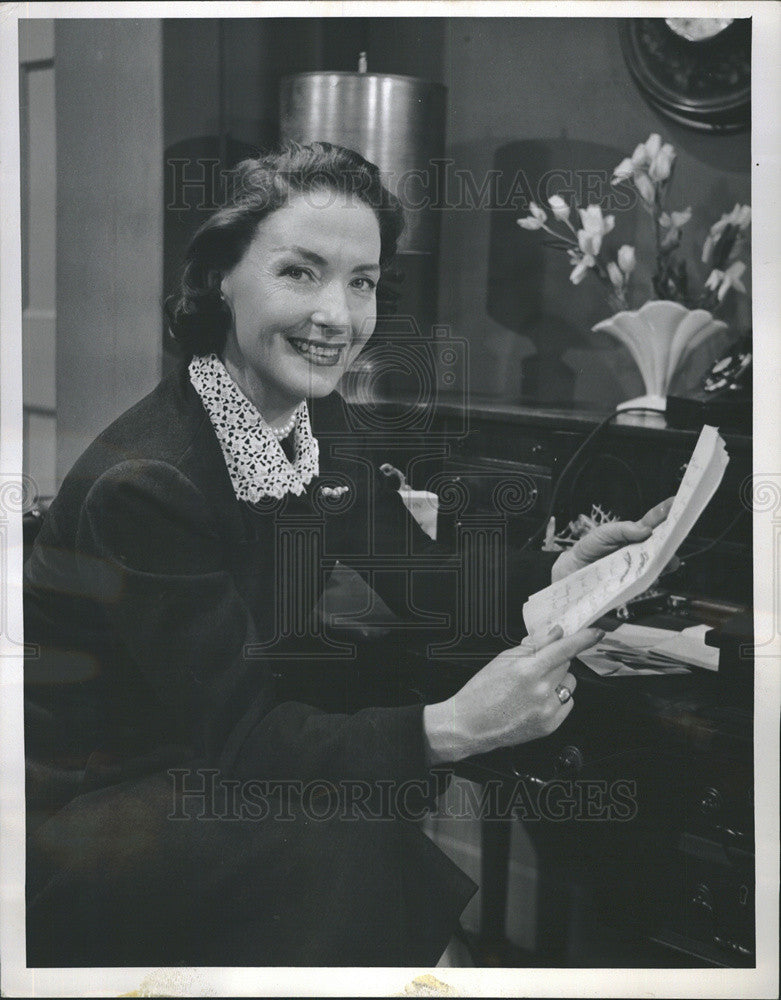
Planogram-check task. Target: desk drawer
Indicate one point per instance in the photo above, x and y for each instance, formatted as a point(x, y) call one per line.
point(491, 491)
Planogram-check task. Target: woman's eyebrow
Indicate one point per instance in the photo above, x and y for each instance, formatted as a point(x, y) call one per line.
point(315, 258)
point(309, 255)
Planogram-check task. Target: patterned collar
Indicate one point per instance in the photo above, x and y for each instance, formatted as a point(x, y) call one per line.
point(257, 465)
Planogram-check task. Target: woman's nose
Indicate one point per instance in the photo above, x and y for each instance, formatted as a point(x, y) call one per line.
point(331, 309)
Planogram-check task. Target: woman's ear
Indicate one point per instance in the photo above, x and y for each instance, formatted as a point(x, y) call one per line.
point(214, 281)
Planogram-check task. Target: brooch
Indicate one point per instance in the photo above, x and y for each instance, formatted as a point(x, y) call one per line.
point(334, 492)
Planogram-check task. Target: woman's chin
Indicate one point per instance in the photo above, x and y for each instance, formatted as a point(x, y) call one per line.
point(319, 382)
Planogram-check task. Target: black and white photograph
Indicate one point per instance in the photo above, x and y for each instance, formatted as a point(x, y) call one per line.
point(390, 505)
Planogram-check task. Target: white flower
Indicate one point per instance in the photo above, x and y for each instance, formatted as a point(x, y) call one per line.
point(650, 164)
point(589, 242)
point(626, 258)
point(673, 223)
point(559, 207)
point(714, 279)
point(653, 145)
point(595, 226)
point(661, 164)
point(623, 171)
point(536, 220)
point(582, 262)
point(740, 217)
point(645, 186)
point(679, 219)
point(731, 279)
point(615, 275)
point(724, 280)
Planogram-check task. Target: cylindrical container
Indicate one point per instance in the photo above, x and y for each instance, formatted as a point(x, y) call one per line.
point(397, 122)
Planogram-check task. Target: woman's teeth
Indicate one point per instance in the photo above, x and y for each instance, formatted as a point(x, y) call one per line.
point(318, 353)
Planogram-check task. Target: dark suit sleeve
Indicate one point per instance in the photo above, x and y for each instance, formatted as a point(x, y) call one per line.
point(175, 608)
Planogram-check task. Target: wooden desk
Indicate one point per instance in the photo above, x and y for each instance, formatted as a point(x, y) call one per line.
point(640, 809)
point(672, 883)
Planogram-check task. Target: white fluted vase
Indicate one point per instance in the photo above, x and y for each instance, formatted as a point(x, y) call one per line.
point(659, 336)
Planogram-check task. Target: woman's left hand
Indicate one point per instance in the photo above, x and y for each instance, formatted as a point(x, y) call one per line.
point(607, 538)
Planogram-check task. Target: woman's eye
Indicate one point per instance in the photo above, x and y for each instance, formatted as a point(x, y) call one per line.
point(364, 284)
point(297, 273)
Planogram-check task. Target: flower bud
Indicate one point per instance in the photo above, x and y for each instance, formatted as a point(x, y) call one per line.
point(590, 242)
point(580, 268)
point(661, 164)
point(623, 171)
point(646, 188)
point(652, 145)
point(559, 207)
point(626, 258)
point(615, 275)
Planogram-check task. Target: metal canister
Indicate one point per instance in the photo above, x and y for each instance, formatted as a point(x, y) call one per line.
point(397, 122)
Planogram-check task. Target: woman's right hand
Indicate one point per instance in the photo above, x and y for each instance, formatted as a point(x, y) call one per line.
point(512, 700)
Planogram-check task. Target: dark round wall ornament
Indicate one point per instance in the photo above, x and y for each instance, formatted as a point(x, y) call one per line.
point(695, 71)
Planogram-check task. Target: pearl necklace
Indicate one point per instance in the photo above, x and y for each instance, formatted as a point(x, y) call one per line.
point(280, 433)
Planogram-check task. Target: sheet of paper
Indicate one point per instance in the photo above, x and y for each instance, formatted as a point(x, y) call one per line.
point(624, 653)
point(635, 649)
point(689, 646)
point(608, 667)
point(581, 598)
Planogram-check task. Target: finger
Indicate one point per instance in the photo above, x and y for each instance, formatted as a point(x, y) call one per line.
point(563, 650)
point(568, 681)
point(619, 533)
point(658, 513)
point(530, 646)
point(563, 712)
point(558, 674)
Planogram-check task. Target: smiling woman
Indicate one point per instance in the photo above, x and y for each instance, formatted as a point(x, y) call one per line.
point(302, 299)
point(203, 788)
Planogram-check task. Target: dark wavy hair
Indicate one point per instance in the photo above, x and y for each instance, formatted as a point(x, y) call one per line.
point(197, 316)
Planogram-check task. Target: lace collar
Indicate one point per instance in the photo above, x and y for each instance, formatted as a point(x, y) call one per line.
point(257, 465)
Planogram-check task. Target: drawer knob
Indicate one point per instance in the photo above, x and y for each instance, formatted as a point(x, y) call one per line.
point(702, 902)
point(711, 802)
point(569, 760)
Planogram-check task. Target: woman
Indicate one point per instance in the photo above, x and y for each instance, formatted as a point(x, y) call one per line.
point(167, 676)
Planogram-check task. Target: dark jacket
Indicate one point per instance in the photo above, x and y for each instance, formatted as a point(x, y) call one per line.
point(150, 584)
point(170, 623)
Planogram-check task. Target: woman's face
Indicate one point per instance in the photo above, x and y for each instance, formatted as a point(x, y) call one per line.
point(303, 299)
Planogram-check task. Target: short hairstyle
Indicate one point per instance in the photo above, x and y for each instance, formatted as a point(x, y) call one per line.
point(197, 316)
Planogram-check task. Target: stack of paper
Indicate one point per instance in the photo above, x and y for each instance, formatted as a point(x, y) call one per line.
point(638, 649)
point(584, 596)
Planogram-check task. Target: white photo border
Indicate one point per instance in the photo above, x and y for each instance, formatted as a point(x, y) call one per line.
point(762, 981)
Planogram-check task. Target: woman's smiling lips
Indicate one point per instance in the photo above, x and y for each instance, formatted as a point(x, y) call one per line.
point(318, 352)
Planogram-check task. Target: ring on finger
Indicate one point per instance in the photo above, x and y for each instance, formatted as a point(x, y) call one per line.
point(563, 693)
